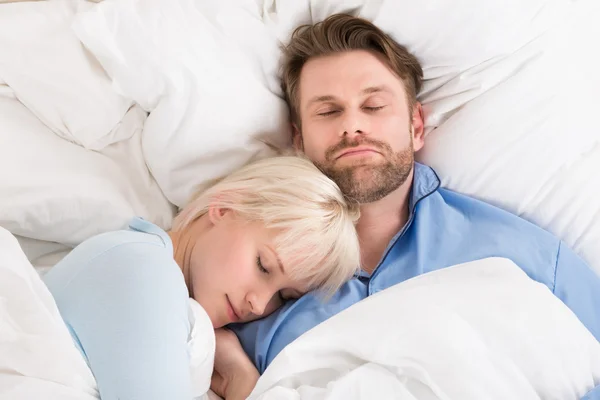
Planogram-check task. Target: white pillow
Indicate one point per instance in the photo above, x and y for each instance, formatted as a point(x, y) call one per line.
point(458, 43)
point(197, 66)
point(57, 191)
point(510, 94)
point(531, 144)
point(54, 76)
point(497, 93)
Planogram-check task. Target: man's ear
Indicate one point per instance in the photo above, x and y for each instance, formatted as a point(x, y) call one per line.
point(418, 127)
point(297, 138)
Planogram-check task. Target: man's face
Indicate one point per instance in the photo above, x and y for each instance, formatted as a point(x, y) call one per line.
point(356, 123)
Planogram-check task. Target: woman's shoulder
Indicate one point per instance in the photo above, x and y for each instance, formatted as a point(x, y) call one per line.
point(138, 251)
point(139, 234)
point(140, 245)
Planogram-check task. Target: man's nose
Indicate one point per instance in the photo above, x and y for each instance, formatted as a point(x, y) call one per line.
point(353, 123)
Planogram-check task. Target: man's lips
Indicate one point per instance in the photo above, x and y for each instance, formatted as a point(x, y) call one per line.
point(355, 151)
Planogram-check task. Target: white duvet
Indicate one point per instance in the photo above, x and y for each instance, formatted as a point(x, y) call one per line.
point(511, 100)
point(38, 359)
point(480, 330)
point(472, 331)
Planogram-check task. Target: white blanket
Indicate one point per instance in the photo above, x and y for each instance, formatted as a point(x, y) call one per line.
point(474, 331)
point(38, 359)
point(481, 330)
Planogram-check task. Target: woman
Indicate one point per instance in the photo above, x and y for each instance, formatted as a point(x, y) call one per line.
point(272, 230)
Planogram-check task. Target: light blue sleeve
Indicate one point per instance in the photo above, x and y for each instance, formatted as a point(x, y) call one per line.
point(593, 394)
point(579, 288)
point(127, 307)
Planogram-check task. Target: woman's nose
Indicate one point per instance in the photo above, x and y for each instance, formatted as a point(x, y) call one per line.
point(258, 302)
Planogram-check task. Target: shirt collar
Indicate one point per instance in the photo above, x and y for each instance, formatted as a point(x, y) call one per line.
point(425, 182)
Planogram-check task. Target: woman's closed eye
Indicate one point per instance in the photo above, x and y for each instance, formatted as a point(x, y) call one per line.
point(260, 266)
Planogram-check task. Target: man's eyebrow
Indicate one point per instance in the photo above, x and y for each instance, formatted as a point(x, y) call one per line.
point(319, 99)
point(376, 89)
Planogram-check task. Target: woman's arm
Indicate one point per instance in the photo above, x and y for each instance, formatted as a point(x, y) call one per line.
point(234, 376)
point(128, 309)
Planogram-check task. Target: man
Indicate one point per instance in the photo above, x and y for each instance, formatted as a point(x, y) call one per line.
point(352, 96)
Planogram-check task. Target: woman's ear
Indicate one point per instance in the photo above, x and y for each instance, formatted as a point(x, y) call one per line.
point(216, 214)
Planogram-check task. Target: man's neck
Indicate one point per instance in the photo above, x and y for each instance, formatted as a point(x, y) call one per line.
point(380, 221)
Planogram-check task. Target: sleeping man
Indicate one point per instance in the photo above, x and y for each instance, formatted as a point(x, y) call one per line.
point(351, 91)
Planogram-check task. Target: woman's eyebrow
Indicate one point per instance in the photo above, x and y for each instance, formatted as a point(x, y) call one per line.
point(279, 263)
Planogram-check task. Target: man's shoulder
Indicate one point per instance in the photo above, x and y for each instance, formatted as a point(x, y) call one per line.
point(462, 229)
point(482, 223)
point(482, 211)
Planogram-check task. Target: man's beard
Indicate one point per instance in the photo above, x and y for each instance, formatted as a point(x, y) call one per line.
point(369, 182)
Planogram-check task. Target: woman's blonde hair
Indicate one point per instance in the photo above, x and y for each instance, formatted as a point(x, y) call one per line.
point(289, 194)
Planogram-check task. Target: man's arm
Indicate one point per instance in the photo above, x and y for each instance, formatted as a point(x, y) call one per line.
point(578, 287)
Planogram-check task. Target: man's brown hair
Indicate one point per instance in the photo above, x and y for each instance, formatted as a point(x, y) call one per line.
point(339, 33)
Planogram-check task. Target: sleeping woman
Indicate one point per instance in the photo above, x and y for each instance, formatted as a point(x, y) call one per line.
point(270, 231)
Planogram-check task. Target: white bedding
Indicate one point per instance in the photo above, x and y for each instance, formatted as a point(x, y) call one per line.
point(511, 99)
point(54, 190)
point(510, 117)
point(477, 330)
point(480, 330)
point(38, 358)
point(510, 92)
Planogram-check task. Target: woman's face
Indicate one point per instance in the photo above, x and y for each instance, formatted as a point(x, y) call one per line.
point(234, 272)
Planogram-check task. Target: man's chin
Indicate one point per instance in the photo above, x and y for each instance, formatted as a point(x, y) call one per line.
point(367, 184)
point(363, 173)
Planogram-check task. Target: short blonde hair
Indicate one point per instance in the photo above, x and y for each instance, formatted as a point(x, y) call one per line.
point(314, 222)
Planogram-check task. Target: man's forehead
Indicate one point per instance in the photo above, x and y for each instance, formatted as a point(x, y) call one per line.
point(343, 74)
